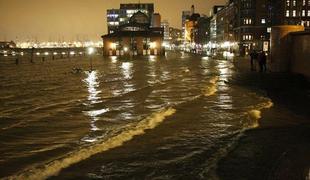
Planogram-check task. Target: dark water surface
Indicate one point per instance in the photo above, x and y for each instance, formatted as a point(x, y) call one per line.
point(146, 118)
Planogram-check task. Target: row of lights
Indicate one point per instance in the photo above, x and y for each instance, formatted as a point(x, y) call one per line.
point(90, 51)
point(26, 45)
point(153, 45)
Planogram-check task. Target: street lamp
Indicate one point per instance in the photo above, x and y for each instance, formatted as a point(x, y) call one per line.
point(90, 50)
point(153, 45)
point(113, 45)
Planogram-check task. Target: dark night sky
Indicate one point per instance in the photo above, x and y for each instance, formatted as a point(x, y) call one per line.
point(69, 19)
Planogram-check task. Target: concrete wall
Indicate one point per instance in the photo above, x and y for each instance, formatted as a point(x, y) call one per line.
point(300, 53)
point(281, 47)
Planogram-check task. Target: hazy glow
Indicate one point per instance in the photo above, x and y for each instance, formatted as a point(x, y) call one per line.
point(91, 50)
point(113, 45)
point(77, 20)
point(153, 45)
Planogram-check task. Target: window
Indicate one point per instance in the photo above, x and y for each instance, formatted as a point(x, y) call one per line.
point(287, 13)
point(247, 37)
point(303, 13)
point(263, 21)
point(287, 2)
point(269, 30)
point(247, 21)
point(294, 2)
point(294, 13)
point(303, 2)
point(308, 14)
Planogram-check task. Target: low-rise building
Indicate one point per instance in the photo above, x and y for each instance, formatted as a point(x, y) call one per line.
point(137, 37)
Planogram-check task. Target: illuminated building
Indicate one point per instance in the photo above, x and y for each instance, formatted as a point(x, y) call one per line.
point(117, 17)
point(185, 16)
point(137, 37)
point(165, 26)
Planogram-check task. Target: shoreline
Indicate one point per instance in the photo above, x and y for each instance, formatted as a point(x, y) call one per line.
point(278, 148)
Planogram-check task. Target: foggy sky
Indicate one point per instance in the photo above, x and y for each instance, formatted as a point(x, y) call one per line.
point(53, 20)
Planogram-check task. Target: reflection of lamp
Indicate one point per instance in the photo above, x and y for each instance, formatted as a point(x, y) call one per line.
point(91, 50)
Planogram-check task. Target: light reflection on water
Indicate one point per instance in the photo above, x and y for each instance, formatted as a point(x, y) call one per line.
point(119, 93)
point(93, 85)
point(127, 69)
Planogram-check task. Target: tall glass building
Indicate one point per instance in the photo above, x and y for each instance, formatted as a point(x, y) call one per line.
point(121, 16)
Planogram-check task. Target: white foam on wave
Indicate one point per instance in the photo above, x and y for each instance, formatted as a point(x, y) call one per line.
point(256, 114)
point(54, 167)
point(211, 89)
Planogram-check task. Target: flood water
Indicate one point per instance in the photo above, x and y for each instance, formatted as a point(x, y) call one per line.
point(143, 118)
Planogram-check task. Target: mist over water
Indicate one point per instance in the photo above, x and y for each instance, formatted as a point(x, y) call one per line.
point(164, 118)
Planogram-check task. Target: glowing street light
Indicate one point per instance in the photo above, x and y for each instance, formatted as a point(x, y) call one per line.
point(153, 45)
point(90, 50)
point(113, 45)
point(125, 49)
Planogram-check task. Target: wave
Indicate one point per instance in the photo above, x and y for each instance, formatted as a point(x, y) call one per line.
point(211, 89)
point(256, 114)
point(54, 167)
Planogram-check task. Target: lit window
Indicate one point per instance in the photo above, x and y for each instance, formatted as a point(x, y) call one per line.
point(303, 12)
point(294, 13)
point(294, 2)
point(247, 21)
point(287, 13)
point(308, 13)
point(287, 2)
point(247, 37)
point(269, 30)
point(303, 2)
point(263, 21)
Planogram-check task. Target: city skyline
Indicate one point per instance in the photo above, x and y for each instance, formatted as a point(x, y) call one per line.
point(69, 20)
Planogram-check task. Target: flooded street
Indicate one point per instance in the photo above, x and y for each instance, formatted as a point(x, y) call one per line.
point(172, 117)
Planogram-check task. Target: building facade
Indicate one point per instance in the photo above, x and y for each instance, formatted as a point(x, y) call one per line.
point(290, 12)
point(185, 16)
point(254, 19)
point(121, 16)
point(165, 26)
point(136, 37)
